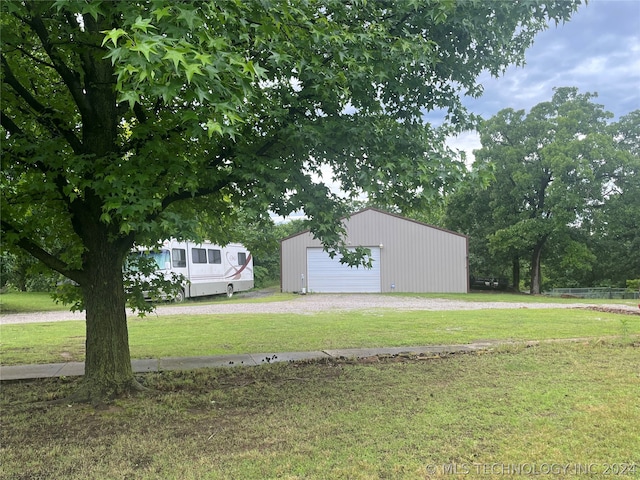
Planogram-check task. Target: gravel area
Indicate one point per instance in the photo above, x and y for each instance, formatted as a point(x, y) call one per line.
point(317, 303)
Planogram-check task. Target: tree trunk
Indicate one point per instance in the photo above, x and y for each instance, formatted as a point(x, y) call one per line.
point(516, 273)
point(108, 369)
point(536, 271)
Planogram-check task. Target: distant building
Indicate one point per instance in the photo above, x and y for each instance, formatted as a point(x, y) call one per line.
point(408, 256)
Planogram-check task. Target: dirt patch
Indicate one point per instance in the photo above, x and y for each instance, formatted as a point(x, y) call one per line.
point(264, 292)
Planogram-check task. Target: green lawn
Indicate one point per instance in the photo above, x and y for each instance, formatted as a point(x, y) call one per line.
point(562, 408)
point(520, 298)
point(559, 408)
point(26, 302)
point(196, 335)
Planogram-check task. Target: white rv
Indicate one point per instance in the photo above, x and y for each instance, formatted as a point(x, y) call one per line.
point(208, 269)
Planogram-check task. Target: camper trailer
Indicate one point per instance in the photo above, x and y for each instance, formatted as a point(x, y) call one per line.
point(208, 269)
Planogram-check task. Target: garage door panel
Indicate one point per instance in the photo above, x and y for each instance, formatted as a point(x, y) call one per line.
point(328, 275)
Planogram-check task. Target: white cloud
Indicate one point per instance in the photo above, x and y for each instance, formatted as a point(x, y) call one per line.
point(598, 50)
point(466, 142)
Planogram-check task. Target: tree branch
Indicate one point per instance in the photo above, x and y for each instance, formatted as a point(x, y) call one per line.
point(141, 115)
point(69, 77)
point(59, 179)
point(185, 195)
point(45, 257)
point(33, 57)
point(46, 116)
point(9, 125)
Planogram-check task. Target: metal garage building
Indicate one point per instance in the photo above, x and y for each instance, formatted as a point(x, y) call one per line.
point(408, 256)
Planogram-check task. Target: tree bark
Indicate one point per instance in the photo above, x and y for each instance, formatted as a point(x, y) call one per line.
point(516, 273)
point(108, 371)
point(536, 270)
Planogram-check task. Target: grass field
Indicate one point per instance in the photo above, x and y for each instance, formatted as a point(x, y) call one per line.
point(556, 409)
point(197, 335)
point(25, 302)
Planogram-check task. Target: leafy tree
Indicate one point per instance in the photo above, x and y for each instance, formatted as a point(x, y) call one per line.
point(468, 210)
point(553, 168)
point(614, 236)
point(128, 122)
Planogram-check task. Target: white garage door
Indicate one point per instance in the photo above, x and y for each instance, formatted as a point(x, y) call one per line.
point(328, 275)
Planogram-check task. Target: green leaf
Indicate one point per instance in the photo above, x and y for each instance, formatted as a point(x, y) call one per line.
point(147, 47)
point(160, 13)
point(204, 58)
point(93, 8)
point(115, 54)
point(175, 55)
point(191, 70)
point(213, 127)
point(189, 15)
point(130, 96)
point(113, 35)
point(143, 25)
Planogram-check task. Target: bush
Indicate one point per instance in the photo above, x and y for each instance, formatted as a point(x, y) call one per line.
point(634, 284)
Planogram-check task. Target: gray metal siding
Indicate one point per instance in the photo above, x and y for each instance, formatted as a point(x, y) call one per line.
point(414, 257)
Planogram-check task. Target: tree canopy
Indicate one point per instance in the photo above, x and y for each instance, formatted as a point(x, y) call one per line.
point(559, 172)
point(129, 122)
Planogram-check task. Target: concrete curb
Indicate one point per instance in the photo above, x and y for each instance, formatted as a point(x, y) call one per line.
point(74, 369)
point(71, 369)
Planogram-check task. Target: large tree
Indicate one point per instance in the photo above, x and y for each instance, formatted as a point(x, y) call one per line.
point(554, 168)
point(614, 236)
point(131, 121)
point(469, 210)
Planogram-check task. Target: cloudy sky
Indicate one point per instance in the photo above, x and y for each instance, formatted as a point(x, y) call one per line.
point(598, 50)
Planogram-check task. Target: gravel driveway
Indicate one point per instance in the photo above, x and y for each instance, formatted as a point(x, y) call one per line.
point(309, 304)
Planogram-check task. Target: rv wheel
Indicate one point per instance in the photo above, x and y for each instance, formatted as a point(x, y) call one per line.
point(179, 296)
point(229, 291)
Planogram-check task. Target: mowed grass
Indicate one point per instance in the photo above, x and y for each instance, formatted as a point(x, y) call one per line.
point(479, 296)
point(26, 302)
point(571, 407)
point(199, 335)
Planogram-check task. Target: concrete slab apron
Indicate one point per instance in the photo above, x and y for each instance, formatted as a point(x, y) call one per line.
point(69, 369)
point(262, 358)
point(189, 363)
point(24, 372)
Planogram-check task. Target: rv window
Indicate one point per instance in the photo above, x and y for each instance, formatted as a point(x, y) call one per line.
point(199, 255)
point(215, 256)
point(242, 258)
point(179, 256)
point(161, 258)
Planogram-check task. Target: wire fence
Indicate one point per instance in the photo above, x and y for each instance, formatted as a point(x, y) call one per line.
point(593, 292)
